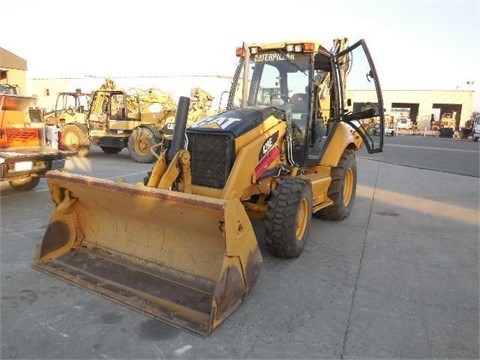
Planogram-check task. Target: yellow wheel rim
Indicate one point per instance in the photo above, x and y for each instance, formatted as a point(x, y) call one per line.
point(142, 145)
point(72, 141)
point(348, 187)
point(301, 219)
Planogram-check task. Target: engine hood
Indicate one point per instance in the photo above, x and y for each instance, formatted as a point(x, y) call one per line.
point(238, 121)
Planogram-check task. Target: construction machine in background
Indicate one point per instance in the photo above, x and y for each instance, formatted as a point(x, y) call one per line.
point(70, 107)
point(181, 247)
point(445, 127)
point(140, 120)
point(200, 105)
point(27, 149)
point(390, 125)
point(448, 121)
point(145, 141)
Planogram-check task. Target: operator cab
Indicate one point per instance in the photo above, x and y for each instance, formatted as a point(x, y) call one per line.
point(306, 81)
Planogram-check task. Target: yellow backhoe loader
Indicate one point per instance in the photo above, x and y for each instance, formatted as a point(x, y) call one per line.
point(180, 246)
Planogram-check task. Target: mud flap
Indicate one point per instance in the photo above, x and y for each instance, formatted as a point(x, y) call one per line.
point(183, 259)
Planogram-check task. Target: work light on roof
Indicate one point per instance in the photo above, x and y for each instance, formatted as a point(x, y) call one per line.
point(289, 47)
point(298, 48)
point(254, 50)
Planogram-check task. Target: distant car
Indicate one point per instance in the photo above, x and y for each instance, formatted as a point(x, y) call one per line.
point(404, 123)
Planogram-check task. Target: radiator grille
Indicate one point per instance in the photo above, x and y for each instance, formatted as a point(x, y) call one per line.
point(212, 158)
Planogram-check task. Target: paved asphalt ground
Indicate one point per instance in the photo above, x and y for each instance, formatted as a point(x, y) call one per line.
point(398, 279)
point(455, 156)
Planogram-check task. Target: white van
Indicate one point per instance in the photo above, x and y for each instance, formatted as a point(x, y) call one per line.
point(404, 123)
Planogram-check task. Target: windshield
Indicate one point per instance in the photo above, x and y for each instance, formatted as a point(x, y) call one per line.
point(275, 78)
point(72, 102)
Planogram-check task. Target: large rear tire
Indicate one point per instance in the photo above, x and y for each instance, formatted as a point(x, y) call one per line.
point(342, 189)
point(24, 184)
point(139, 144)
point(287, 223)
point(75, 138)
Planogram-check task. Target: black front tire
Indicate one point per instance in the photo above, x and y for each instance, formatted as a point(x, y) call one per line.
point(342, 189)
point(24, 184)
point(287, 222)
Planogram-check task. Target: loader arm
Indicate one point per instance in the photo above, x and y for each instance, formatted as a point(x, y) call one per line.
point(176, 175)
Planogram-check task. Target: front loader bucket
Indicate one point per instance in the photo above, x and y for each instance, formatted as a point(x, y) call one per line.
point(184, 259)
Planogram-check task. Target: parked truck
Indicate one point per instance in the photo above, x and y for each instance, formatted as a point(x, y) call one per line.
point(27, 149)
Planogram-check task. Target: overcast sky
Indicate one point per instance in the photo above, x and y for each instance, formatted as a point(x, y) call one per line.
point(415, 44)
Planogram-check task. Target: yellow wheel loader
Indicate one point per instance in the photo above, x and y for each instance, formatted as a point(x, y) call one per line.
point(180, 247)
point(70, 107)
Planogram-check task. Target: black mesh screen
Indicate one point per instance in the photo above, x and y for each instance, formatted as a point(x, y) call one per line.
point(212, 158)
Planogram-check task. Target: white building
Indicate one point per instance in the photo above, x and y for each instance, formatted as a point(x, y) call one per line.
point(417, 105)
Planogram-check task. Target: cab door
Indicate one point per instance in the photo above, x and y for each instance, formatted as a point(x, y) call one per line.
point(360, 95)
